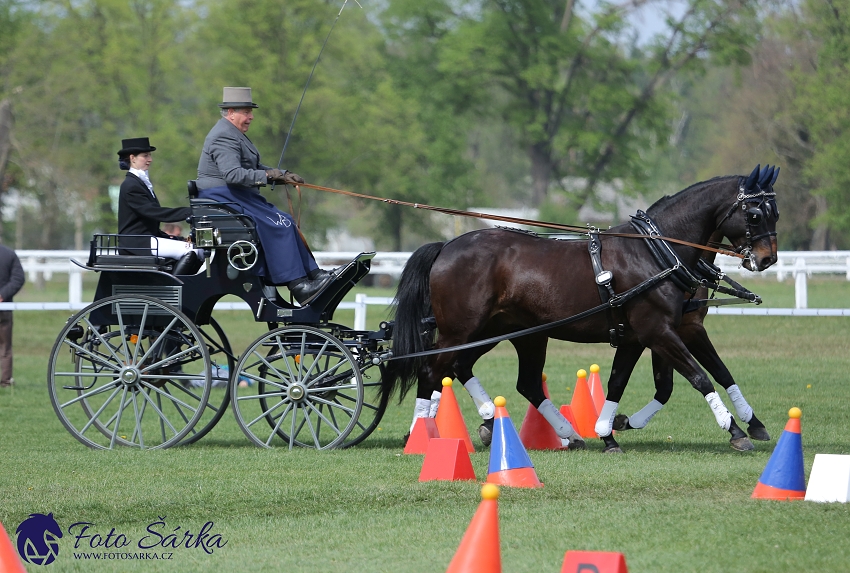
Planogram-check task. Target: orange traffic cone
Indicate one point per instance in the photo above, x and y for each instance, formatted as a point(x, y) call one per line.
point(595, 385)
point(583, 409)
point(509, 462)
point(449, 419)
point(479, 550)
point(446, 459)
point(784, 477)
point(536, 433)
point(9, 560)
point(424, 430)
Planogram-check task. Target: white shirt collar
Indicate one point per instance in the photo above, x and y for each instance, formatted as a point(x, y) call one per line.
point(143, 175)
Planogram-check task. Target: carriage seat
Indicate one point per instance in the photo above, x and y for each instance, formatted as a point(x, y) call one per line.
point(228, 219)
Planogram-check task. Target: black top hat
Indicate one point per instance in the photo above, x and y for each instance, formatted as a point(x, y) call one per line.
point(135, 145)
point(237, 98)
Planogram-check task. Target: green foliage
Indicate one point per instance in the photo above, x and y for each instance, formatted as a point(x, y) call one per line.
point(823, 101)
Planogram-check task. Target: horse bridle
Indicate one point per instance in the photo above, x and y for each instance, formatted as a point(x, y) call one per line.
point(756, 215)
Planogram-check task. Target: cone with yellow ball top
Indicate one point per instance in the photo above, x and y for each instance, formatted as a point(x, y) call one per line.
point(784, 476)
point(583, 409)
point(450, 421)
point(509, 462)
point(594, 383)
point(479, 550)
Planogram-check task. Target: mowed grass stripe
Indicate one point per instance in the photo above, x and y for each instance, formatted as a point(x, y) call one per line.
point(678, 500)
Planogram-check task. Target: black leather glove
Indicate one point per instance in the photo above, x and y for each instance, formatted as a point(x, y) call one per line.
point(276, 175)
point(292, 178)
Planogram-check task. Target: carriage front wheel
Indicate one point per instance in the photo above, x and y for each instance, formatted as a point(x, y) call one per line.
point(304, 389)
point(129, 371)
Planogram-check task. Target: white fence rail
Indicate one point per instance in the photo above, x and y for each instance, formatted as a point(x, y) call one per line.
point(797, 264)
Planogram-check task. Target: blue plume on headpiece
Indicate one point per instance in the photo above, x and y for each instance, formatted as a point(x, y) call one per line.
point(751, 180)
point(765, 177)
point(775, 176)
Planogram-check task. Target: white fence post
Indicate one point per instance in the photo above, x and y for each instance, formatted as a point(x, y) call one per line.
point(801, 294)
point(75, 284)
point(360, 311)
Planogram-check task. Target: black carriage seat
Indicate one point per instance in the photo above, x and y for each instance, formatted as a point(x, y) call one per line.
point(105, 254)
point(228, 219)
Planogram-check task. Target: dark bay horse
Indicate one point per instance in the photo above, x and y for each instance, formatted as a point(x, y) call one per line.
point(495, 282)
point(692, 332)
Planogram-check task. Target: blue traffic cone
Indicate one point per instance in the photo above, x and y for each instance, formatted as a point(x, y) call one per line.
point(784, 476)
point(509, 462)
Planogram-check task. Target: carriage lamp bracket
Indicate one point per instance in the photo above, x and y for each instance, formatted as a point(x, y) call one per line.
point(206, 236)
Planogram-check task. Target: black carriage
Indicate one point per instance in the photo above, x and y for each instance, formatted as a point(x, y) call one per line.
point(146, 365)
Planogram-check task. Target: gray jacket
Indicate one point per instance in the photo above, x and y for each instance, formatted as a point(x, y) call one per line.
point(11, 274)
point(229, 158)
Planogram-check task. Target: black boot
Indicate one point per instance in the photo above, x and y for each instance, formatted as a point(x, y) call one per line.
point(318, 274)
point(304, 289)
point(188, 264)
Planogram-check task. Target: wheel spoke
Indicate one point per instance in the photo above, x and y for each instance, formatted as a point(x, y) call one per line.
point(96, 415)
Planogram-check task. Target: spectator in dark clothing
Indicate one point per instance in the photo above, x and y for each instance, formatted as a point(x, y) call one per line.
point(11, 281)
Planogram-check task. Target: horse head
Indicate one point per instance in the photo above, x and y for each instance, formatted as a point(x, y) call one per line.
point(750, 223)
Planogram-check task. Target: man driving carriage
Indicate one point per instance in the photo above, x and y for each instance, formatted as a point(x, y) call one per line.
point(230, 171)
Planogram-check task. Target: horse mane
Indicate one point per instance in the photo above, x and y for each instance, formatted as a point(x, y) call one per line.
point(669, 200)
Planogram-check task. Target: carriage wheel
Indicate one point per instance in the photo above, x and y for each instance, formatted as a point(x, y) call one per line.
point(223, 364)
point(306, 389)
point(141, 381)
point(374, 406)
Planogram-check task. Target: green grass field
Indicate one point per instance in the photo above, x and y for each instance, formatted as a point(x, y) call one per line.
point(677, 500)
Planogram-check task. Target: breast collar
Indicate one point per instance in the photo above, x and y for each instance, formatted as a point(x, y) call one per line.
point(663, 253)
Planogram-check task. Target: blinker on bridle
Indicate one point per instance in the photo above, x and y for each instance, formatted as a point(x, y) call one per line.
point(759, 208)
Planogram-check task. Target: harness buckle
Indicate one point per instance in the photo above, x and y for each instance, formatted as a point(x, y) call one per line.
point(604, 278)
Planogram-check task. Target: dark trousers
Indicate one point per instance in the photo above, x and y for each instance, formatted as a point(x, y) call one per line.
point(5, 347)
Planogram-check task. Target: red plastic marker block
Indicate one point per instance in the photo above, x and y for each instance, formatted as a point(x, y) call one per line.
point(448, 460)
point(424, 430)
point(594, 562)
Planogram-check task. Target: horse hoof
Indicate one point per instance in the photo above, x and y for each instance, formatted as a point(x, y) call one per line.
point(742, 444)
point(621, 423)
point(577, 443)
point(485, 432)
point(612, 450)
point(759, 434)
point(404, 440)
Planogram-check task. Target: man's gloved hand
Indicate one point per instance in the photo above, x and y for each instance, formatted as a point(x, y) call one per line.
point(292, 178)
point(276, 175)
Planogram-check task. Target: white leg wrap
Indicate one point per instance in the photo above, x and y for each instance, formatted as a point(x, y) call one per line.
point(421, 410)
point(435, 403)
point(721, 414)
point(486, 408)
point(606, 419)
point(745, 413)
point(642, 417)
point(560, 424)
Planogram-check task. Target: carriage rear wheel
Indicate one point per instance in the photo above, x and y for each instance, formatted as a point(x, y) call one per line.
point(305, 389)
point(130, 371)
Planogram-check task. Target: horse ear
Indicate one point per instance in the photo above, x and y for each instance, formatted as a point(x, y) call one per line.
point(751, 180)
point(775, 176)
point(766, 176)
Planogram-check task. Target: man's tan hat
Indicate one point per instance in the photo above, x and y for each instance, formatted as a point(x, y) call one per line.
point(236, 98)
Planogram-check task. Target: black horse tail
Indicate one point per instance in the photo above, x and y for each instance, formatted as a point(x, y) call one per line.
point(410, 334)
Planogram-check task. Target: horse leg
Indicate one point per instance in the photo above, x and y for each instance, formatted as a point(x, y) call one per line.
point(486, 409)
point(671, 348)
point(427, 396)
point(624, 363)
point(663, 376)
point(531, 351)
point(700, 346)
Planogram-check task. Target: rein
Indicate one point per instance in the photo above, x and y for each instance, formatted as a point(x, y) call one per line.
point(723, 250)
point(615, 302)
